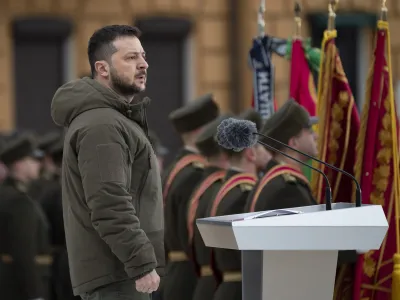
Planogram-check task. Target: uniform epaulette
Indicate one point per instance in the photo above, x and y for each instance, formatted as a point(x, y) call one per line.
point(194, 201)
point(245, 187)
point(179, 166)
point(198, 165)
point(288, 173)
point(289, 178)
point(242, 179)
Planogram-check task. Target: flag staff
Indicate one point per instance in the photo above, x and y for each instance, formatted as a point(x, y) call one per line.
point(332, 14)
point(260, 19)
point(297, 19)
point(384, 11)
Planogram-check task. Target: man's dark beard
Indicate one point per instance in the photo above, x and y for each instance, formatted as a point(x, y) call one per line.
point(122, 88)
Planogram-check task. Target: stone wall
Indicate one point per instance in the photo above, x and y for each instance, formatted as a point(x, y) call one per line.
point(210, 36)
point(210, 39)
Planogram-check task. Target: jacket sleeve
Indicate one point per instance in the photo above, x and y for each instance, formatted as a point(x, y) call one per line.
point(23, 248)
point(104, 169)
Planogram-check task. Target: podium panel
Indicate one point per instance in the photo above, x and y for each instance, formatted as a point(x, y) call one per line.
point(294, 255)
point(296, 274)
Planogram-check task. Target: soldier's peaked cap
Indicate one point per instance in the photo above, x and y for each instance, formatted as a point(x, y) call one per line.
point(195, 114)
point(253, 116)
point(57, 148)
point(206, 142)
point(46, 142)
point(20, 147)
point(288, 121)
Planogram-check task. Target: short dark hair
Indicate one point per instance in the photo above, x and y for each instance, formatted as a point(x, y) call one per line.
point(232, 155)
point(101, 46)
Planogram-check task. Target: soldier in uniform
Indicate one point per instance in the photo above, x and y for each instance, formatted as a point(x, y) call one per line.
point(159, 149)
point(231, 199)
point(263, 155)
point(48, 176)
point(179, 182)
point(284, 185)
point(213, 175)
point(24, 246)
point(52, 206)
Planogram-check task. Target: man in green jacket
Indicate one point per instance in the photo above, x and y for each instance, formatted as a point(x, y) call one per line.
point(111, 186)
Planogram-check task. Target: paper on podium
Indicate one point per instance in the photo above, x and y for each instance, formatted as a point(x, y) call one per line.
point(270, 213)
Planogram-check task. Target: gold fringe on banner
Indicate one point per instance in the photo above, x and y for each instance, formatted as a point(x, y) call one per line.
point(384, 25)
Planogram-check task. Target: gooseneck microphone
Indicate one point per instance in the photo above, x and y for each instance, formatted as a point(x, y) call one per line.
point(240, 134)
point(239, 128)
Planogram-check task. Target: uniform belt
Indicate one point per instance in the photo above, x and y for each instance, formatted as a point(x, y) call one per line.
point(43, 260)
point(232, 276)
point(176, 256)
point(206, 271)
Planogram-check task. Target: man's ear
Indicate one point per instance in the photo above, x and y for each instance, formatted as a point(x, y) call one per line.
point(292, 142)
point(102, 68)
point(250, 154)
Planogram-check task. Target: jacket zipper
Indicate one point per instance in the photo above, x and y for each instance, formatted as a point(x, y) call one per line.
point(145, 125)
point(142, 184)
point(130, 162)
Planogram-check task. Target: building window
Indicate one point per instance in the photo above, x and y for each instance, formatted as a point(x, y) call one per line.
point(352, 42)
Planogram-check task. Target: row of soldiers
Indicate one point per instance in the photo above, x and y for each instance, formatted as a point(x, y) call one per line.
point(33, 256)
point(206, 180)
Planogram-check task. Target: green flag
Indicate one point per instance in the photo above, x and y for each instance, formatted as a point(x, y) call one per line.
point(307, 171)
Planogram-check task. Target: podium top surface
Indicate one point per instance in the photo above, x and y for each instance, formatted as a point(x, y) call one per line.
point(308, 213)
point(345, 227)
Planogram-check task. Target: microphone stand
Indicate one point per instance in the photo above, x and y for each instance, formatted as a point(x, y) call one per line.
point(328, 192)
point(358, 189)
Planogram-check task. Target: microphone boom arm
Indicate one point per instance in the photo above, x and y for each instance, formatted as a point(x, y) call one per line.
point(358, 189)
point(328, 192)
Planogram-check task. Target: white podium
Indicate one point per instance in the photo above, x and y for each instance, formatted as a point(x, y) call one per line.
point(295, 256)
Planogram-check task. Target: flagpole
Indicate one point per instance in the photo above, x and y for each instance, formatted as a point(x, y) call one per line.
point(332, 14)
point(297, 20)
point(260, 19)
point(384, 11)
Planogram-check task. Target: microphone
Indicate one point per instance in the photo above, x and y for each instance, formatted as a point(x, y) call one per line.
point(234, 127)
point(240, 134)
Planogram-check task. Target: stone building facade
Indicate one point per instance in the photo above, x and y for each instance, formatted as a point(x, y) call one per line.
point(221, 34)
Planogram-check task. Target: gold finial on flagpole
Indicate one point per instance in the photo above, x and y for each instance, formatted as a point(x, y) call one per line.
point(297, 19)
point(384, 11)
point(332, 14)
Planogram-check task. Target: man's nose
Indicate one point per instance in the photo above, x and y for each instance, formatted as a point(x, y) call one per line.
point(143, 65)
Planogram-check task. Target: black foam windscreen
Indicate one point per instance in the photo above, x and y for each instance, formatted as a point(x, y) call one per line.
point(236, 134)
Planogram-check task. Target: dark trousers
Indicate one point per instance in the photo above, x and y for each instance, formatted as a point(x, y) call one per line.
point(205, 288)
point(180, 281)
point(229, 290)
point(61, 281)
point(124, 290)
